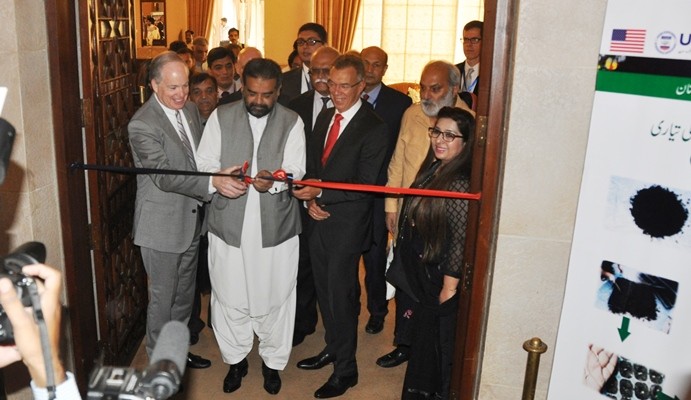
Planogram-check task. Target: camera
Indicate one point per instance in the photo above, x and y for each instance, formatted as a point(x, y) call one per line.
point(159, 381)
point(11, 268)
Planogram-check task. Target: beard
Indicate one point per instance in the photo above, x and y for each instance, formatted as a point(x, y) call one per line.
point(431, 108)
point(258, 110)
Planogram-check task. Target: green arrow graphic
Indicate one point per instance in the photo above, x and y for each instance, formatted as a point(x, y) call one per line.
point(624, 330)
point(662, 396)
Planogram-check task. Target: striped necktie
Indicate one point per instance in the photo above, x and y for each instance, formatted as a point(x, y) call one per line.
point(184, 139)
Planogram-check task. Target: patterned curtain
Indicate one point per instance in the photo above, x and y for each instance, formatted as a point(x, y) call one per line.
point(339, 18)
point(199, 17)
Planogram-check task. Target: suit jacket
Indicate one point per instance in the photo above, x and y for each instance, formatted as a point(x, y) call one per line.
point(390, 106)
point(357, 157)
point(291, 86)
point(303, 105)
point(166, 206)
point(461, 67)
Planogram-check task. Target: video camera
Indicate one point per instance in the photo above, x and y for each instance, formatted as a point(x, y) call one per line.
point(160, 380)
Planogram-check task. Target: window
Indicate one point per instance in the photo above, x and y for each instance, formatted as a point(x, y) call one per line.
point(246, 15)
point(414, 32)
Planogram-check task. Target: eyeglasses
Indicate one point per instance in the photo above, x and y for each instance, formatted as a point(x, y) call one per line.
point(445, 135)
point(343, 86)
point(309, 42)
point(319, 71)
point(471, 40)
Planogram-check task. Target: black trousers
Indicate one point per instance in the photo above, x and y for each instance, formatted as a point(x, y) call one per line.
point(375, 263)
point(338, 293)
point(306, 303)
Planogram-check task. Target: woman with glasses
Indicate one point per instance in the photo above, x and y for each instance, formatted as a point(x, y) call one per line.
point(429, 249)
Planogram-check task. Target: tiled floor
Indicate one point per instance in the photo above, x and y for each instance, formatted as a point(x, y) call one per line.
point(374, 382)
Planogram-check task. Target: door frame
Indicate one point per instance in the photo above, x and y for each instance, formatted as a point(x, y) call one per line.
point(65, 81)
point(494, 98)
point(493, 105)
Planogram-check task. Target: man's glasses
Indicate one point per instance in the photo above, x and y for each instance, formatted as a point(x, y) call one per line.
point(471, 40)
point(309, 42)
point(343, 86)
point(319, 71)
point(445, 135)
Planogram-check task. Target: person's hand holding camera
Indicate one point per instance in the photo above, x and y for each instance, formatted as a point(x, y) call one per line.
point(26, 332)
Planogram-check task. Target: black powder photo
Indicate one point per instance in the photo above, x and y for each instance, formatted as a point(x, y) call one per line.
point(658, 211)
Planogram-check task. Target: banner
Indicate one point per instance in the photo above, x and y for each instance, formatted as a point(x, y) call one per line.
point(626, 318)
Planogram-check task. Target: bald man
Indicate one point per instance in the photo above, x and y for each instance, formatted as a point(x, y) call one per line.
point(389, 105)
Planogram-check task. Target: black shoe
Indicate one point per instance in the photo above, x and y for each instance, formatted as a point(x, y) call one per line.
point(397, 357)
point(272, 381)
point(336, 386)
point(194, 338)
point(374, 325)
point(197, 362)
point(317, 362)
point(233, 379)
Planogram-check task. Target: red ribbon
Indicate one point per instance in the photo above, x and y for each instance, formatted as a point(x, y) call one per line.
point(390, 190)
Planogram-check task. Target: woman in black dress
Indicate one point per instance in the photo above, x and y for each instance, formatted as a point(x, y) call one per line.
point(430, 248)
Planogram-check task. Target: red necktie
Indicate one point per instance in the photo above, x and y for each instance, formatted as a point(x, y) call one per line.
point(332, 137)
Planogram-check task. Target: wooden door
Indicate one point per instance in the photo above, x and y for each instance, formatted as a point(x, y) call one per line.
point(108, 85)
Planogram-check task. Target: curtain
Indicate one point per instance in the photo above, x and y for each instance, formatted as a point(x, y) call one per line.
point(339, 18)
point(199, 17)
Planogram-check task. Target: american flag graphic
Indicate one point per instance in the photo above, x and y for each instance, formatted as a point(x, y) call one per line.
point(627, 40)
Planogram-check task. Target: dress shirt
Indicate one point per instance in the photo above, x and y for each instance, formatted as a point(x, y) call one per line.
point(470, 83)
point(304, 85)
point(170, 113)
point(373, 95)
point(209, 154)
point(317, 106)
point(65, 391)
point(347, 117)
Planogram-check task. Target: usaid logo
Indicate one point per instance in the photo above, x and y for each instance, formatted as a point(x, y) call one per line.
point(665, 42)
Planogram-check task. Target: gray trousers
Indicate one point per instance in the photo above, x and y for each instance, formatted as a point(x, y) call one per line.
point(171, 288)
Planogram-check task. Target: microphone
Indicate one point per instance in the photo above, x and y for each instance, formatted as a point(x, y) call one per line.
point(168, 361)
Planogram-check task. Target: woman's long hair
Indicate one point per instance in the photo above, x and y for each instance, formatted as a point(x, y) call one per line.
point(429, 213)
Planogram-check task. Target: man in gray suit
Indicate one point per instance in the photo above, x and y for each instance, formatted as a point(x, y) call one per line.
point(164, 134)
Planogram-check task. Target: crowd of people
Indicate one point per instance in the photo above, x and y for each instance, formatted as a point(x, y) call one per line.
point(270, 252)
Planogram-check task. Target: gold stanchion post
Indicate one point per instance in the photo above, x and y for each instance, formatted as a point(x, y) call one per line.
point(535, 347)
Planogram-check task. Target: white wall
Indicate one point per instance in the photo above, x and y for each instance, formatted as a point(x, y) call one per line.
point(557, 43)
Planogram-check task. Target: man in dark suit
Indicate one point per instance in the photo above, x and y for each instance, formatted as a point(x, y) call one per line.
point(470, 68)
point(164, 134)
point(311, 36)
point(348, 144)
point(308, 105)
point(389, 104)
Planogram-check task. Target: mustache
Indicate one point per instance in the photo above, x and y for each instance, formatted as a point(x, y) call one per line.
point(320, 80)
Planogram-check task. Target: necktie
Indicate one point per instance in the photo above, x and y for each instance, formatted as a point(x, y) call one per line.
point(332, 137)
point(185, 140)
point(365, 97)
point(224, 94)
point(468, 79)
point(325, 100)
